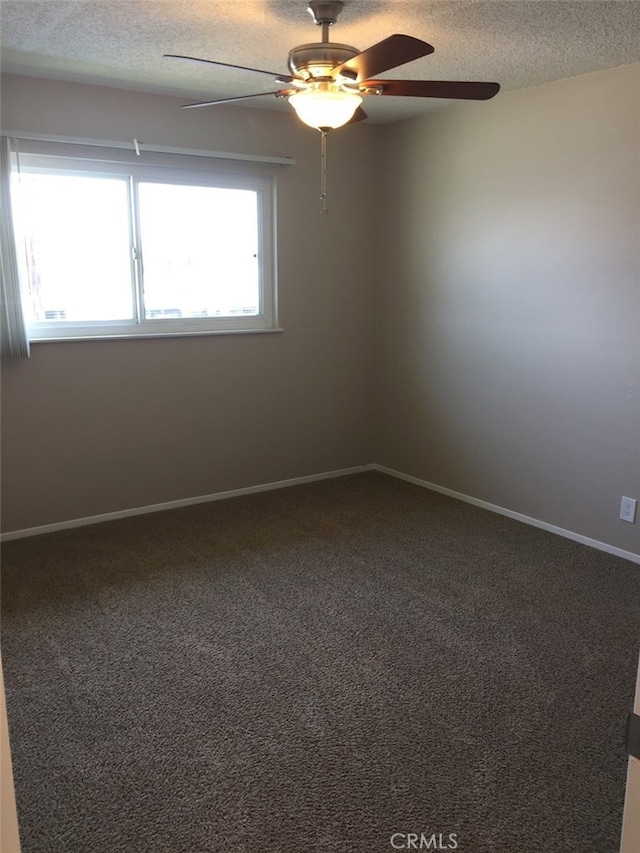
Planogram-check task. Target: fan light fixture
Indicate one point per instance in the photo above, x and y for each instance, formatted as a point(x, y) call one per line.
point(326, 79)
point(325, 106)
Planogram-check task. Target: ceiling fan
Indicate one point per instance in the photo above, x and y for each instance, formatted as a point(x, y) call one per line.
point(328, 81)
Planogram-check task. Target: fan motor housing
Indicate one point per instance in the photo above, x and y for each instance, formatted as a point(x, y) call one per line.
point(318, 59)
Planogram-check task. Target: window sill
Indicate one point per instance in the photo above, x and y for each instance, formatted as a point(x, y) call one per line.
point(154, 335)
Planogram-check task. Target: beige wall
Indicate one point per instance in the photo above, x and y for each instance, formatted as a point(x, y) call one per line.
point(508, 317)
point(95, 427)
point(509, 302)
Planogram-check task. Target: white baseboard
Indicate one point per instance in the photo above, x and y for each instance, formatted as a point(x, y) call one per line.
point(143, 510)
point(311, 478)
point(534, 522)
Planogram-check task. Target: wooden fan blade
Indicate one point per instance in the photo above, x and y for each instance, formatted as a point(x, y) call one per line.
point(285, 78)
point(389, 53)
point(432, 89)
point(278, 93)
point(359, 115)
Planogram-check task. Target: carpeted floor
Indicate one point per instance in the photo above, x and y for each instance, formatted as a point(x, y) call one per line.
point(316, 669)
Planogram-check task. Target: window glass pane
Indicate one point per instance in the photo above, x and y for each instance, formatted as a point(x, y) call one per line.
point(75, 231)
point(199, 251)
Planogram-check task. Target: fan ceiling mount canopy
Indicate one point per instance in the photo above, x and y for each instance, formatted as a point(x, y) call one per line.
point(328, 81)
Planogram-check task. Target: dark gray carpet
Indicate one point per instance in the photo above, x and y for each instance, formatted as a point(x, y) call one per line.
point(315, 669)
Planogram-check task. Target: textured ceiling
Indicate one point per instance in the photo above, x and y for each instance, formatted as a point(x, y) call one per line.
point(517, 43)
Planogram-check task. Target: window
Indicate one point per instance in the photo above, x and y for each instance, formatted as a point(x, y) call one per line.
point(109, 250)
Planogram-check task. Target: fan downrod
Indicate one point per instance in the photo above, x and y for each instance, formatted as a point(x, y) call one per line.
point(325, 14)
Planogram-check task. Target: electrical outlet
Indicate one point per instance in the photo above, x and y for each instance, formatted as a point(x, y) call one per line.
point(628, 510)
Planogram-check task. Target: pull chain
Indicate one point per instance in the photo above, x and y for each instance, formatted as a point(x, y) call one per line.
point(323, 178)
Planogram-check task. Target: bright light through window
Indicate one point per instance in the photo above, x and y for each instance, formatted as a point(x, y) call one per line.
point(77, 246)
point(148, 251)
point(200, 251)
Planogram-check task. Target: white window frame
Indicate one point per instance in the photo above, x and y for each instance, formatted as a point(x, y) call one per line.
point(235, 176)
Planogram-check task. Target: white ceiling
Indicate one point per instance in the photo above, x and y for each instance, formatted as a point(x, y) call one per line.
point(517, 43)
